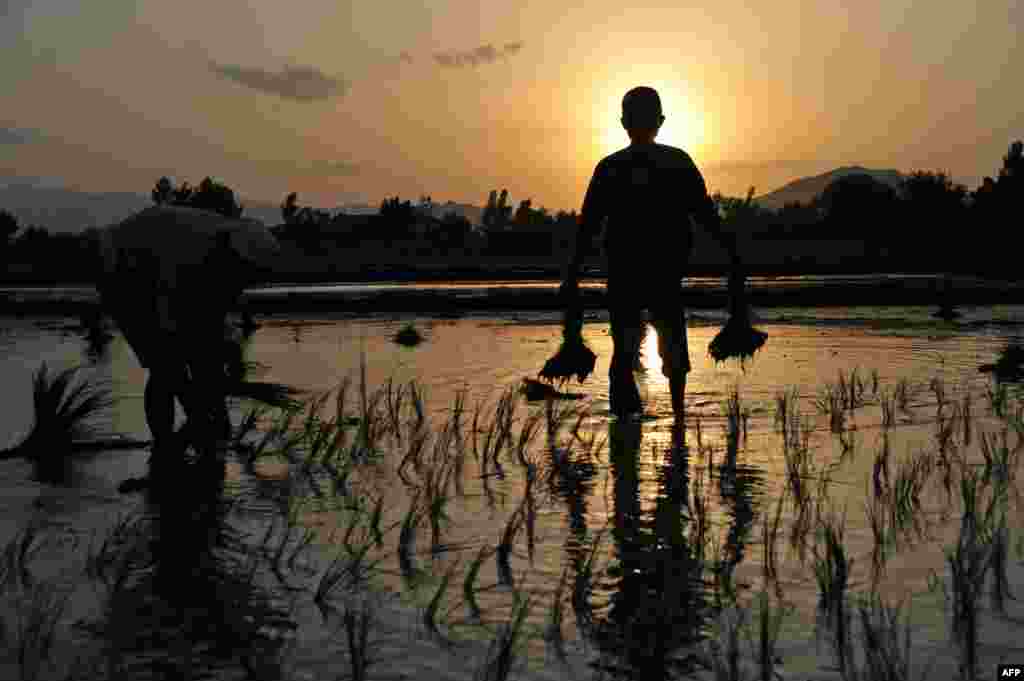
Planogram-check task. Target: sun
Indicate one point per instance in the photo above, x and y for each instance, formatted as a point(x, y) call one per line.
point(684, 122)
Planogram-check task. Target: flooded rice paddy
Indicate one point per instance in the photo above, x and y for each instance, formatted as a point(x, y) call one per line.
point(643, 535)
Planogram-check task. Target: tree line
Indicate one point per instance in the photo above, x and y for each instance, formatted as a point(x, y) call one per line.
point(928, 222)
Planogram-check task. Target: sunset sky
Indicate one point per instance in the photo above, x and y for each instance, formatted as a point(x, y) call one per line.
point(347, 101)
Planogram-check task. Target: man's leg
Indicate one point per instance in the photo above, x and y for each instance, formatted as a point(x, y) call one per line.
point(169, 368)
point(168, 379)
point(626, 323)
point(161, 387)
point(208, 417)
point(670, 322)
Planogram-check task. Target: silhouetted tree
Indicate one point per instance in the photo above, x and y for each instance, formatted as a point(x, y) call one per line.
point(216, 197)
point(985, 192)
point(527, 217)
point(795, 219)
point(859, 206)
point(534, 231)
point(522, 216)
point(491, 209)
point(564, 228)
point(311, 217)
point(855, 204)
point(35, 245)
point(994, 214)
point(32, 237)
point(932, 190)
point(303, 225)
point(53, 257)
point(1012, 171)
point(162, 192)
point(932, 205)
point(984, 212)
point(452, 232)
point(504, 210)
point(1010, 185)
point(302, 216)
point(8, 224)
point(182, 195)
point(739, 215)
point(289, 207)
point(497, 213)
point(397, 217)
point(852, 198)
point(8, 228)
point(426, 205)
point(212, 196)
point(395, 208)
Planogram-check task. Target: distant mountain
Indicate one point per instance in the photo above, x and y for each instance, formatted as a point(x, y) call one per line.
point(64, 210)
point(58, 209)
point(67, 210)
point(806, 189)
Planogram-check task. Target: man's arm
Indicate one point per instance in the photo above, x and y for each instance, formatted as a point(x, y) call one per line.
point(592, 215)
point(709, 218)
point(706, 214)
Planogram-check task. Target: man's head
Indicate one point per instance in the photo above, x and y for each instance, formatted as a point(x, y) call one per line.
point(641, 113)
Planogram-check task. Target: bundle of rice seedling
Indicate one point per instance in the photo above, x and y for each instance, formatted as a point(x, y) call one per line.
point(573, 358)
point(65, 411)
point(64, 421)
point(738, 338)
point(535, 391)
point(409, 336)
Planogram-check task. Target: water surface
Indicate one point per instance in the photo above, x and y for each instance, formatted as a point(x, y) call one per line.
point(634, 494)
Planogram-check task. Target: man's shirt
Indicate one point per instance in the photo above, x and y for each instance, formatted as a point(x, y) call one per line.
point(650, 194)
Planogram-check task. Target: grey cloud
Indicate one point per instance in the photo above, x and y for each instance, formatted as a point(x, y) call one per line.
point(301, 83)
point(12, 136)
point(485, 54)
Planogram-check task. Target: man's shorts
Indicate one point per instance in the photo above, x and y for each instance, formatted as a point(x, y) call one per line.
point(662, 298)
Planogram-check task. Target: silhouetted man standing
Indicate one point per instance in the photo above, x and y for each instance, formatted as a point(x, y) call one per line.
point(650, 195)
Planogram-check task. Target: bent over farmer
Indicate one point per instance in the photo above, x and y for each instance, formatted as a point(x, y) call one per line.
point(649, 194)
point(169, 276)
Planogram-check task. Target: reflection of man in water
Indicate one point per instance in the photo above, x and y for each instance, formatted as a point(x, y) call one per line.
point(648, 192)
point(658, 601)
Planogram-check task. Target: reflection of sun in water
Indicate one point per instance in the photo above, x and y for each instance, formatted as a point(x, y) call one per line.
point(649, 357)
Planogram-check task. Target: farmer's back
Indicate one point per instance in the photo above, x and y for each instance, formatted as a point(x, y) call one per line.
point(648, 192)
